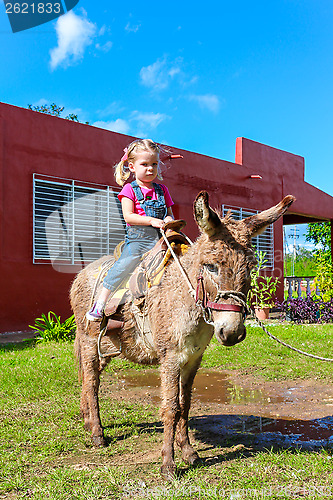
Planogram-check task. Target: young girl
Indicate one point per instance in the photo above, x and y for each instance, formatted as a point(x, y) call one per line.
point(146, 207)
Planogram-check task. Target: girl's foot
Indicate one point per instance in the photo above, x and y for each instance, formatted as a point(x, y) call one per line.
point(95, 313)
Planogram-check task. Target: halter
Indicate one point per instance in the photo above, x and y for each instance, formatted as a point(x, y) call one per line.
point(208, 305)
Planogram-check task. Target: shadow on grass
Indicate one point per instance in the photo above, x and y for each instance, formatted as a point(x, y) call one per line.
point(243, 436)
point(18, 346)
point(26, 344)
point(262, 433)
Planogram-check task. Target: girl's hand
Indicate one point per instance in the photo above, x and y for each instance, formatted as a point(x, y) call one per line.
point(158, 223)
point(168, 218)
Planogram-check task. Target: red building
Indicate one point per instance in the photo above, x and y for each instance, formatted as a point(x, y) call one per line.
point(57, 212)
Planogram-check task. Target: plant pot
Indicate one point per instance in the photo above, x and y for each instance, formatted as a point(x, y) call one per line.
point(262, 313)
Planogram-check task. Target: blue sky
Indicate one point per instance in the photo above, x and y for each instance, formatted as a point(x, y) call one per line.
point(194, 76)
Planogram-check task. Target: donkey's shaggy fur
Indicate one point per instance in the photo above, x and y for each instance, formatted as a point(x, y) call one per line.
point(179, 334)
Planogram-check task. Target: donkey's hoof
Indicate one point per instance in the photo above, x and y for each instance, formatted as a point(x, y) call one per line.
point(98, 441)
point(192, 459)
point(169, 472)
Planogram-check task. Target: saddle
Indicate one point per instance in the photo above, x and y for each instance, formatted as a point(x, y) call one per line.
point(151, 269)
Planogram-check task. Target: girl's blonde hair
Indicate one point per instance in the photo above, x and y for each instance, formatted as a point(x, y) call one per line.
point(122, 172)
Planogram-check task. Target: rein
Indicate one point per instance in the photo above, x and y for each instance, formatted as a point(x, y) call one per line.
point(289, 346)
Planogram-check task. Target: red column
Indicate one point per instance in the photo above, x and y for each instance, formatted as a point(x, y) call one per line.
point(332, 240)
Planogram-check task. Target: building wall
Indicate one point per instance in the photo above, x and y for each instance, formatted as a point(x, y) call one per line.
point(32, 142)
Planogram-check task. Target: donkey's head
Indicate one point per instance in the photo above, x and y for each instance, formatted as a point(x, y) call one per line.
point(226, 258)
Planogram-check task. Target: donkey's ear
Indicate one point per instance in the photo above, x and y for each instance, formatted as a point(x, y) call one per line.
point(207, 220)
point(258, 223)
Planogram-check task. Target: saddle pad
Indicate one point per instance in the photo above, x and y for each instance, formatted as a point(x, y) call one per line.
point(119, 296)
point(151, 270)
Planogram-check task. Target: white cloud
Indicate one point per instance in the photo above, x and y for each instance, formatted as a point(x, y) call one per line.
point(41, 102)
point(159, 74)
point(173, 72)
point(102, 30)
point(104, 47)
point(114, 108)
point(139, 123)
point(75, 33)
point(81, 113)
point(132, 28)
point(207, 101)
point(118, 125)
point(150, 119)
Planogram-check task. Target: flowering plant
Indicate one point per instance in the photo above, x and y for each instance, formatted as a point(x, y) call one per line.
point(263, 288)
point(307, 310)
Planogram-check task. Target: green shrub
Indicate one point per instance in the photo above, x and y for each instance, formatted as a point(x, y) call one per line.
point(51, 328)
point(324, 277)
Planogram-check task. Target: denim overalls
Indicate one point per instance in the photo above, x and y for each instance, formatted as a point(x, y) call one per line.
point(138, 239)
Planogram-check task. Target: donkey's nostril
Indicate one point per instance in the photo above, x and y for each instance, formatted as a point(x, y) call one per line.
point(242, 336)
point(222, 335)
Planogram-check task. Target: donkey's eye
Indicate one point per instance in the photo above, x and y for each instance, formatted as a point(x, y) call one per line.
point(212, 268)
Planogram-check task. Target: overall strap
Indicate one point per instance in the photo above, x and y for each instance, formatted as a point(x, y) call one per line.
point(159, 192)
point(137, 191)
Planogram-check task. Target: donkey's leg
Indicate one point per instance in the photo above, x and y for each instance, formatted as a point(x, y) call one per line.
point(90, 385)
point(84, 409)
point(169, 412)
point(187, 375)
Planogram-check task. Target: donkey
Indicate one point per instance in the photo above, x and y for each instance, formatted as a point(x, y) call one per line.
point(182, 322)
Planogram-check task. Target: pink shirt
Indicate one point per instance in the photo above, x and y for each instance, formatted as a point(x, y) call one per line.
point(128, 192)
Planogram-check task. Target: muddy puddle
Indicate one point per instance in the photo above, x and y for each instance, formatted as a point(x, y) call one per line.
point(208, 387)
point(287, 414)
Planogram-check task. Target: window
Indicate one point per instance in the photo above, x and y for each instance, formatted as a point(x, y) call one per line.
point(74, 222)
point(262, 243)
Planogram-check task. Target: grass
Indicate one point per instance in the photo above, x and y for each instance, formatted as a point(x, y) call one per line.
point(46, 454)
point(260, 355)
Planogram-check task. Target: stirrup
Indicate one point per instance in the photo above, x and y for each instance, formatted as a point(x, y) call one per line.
point(103, 329)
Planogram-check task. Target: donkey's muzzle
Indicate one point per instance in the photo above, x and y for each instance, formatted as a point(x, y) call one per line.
point(229, 338)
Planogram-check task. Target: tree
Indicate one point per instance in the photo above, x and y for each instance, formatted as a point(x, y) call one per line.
point(320, 233)
point(304, 265)
point(54, 110)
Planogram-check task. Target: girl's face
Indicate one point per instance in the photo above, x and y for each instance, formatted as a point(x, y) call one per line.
point(144, 167)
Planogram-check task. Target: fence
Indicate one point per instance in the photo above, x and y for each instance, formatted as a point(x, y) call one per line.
point(300, 284)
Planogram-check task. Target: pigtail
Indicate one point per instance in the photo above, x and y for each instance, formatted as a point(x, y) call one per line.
point(121, 173)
